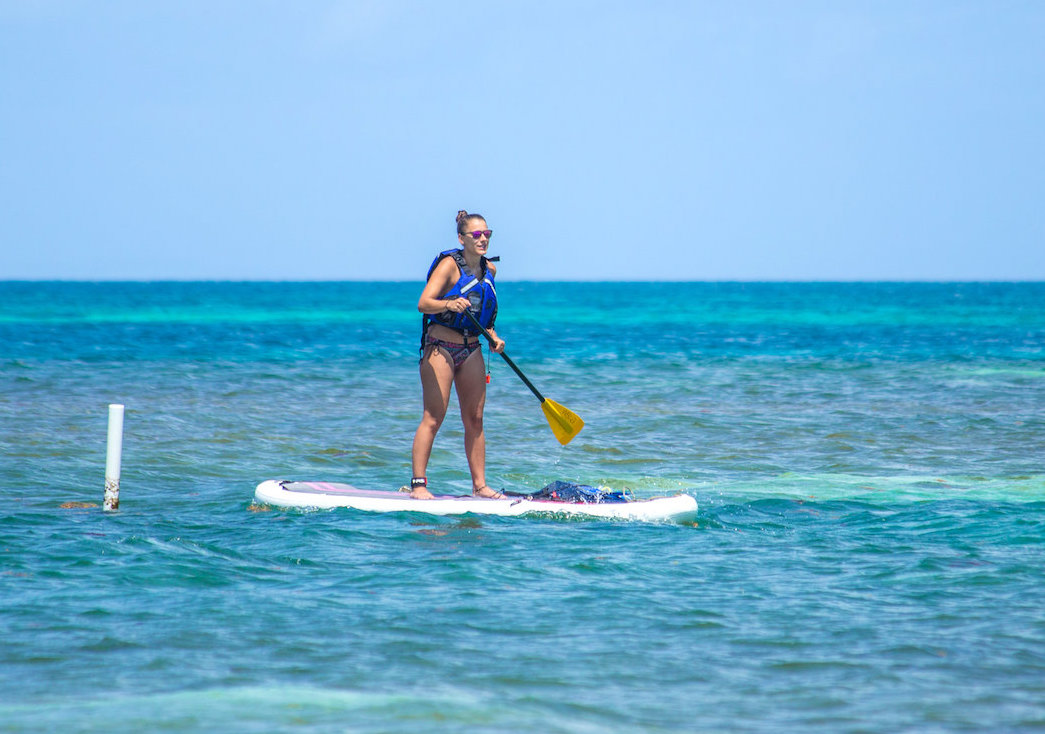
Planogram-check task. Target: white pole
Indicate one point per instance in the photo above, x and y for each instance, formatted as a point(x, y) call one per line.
point(112, 459)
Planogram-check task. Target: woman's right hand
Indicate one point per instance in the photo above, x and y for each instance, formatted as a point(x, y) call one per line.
point(458, 305)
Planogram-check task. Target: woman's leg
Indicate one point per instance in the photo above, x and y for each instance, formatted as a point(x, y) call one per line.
point(437, 374)
point(470, 382)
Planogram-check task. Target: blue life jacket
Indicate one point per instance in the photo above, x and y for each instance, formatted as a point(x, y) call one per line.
point(477, 289)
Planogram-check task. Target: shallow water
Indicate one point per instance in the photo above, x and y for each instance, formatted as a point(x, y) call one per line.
point(867, 557)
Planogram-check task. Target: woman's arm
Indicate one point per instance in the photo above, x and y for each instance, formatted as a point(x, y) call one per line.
point(497, 344)
point(442, 280)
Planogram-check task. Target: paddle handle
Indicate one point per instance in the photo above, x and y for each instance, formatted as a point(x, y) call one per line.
point(507, 359)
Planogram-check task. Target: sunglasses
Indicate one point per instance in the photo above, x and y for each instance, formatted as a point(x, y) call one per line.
point(479, 233)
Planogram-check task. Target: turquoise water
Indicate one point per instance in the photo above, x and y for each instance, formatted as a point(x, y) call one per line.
point(869, 553)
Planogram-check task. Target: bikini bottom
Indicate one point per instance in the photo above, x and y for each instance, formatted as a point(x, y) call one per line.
point(458, 352)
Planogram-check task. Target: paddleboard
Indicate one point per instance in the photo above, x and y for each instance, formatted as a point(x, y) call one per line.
point(326, 495)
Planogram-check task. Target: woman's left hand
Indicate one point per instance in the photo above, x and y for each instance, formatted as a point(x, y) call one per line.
point(497, 345)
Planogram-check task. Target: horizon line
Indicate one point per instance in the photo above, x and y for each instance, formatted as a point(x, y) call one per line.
point(868, 281)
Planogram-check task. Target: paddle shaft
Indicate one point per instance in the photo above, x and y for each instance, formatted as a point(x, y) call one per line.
point(507, 359)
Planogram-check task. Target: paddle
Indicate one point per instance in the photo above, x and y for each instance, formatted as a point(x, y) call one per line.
point(565, 424)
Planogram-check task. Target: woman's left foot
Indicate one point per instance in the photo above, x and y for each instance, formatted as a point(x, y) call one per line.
point(487, 493)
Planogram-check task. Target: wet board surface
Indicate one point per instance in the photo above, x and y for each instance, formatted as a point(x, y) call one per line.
point(327, 495)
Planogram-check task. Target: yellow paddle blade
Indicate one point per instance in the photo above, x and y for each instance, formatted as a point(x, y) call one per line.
point(565, 424)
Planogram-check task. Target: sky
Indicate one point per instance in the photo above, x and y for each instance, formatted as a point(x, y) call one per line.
point(650, 140)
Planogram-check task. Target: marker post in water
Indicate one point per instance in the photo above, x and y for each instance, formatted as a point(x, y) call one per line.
point(112, 459)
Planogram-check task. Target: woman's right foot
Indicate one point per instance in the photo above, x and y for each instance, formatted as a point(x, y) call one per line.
point(419, 489)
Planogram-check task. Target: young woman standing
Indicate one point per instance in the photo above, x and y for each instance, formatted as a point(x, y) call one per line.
point(459, 280)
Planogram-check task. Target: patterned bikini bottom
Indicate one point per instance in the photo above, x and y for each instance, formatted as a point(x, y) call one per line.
point(458, 352)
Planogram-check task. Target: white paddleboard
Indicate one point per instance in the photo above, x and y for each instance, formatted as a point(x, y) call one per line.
point(325, 495)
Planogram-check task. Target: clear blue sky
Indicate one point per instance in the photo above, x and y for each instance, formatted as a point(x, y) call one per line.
point(649, 140)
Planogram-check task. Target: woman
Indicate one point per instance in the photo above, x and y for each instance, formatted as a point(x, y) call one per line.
point(459, 280)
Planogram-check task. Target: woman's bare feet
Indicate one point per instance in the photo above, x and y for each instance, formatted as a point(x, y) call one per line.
point(487, 493)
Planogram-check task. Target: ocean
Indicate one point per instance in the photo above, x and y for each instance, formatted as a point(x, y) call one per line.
point(868, 555)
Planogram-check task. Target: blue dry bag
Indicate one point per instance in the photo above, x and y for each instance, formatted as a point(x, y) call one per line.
point(579, 493)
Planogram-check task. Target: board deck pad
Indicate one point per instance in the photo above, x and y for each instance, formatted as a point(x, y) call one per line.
point(327, 495)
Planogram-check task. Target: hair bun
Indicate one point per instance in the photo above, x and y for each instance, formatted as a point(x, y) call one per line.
point(461, 215)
